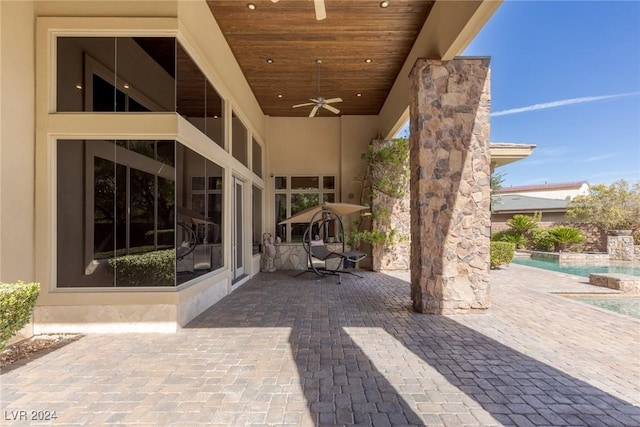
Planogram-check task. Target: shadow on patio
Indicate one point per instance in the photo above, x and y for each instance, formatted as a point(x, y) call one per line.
point(364, 357)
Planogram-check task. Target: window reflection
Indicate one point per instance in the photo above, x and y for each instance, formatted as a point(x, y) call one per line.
point(88, 81)
point(200, 209)
point(302, 193)
point(257, 219)
point(214, 115)
point(148, 223)
point(256, 153)
point(239, 140)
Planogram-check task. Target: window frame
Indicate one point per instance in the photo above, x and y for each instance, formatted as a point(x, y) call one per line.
point(289, 192)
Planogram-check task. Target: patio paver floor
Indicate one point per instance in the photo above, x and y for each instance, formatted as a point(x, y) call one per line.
point(302, 351)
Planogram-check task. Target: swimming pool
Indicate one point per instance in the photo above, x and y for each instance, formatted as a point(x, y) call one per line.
point(582, 268)
point(629, 306)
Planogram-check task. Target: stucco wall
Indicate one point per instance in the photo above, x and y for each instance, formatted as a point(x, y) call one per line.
point(318, 146)
point(17, 141)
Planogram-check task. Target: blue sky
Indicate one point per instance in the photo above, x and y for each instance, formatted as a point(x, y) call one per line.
point(565, 75)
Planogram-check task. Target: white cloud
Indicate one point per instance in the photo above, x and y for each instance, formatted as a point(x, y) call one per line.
point(561, 103)
point(599, 158)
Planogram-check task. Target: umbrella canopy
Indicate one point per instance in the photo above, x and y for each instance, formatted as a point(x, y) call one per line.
point(307, 215)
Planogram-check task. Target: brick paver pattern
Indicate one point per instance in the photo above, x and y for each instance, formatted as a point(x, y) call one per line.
point(303, 351)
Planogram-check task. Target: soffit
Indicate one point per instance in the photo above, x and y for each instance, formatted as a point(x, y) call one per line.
point(288, 33)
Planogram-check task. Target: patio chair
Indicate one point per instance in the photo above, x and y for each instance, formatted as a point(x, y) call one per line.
point(321, 259)
point(318, 250)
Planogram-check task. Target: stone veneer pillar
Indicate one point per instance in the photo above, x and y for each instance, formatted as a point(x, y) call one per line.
point(621, 248)
point(450, 172)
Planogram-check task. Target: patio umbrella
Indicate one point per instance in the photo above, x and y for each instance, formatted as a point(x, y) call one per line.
point(339, 209)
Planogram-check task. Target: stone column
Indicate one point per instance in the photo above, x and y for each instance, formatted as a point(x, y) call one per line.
point(621, 248)
point(450, 170)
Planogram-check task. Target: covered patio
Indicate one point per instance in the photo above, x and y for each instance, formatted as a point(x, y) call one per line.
point(308, 352)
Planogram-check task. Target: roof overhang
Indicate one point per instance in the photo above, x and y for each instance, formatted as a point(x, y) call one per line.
point(505, 153)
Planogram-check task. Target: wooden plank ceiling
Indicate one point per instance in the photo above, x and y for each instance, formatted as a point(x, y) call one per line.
point(288, 34)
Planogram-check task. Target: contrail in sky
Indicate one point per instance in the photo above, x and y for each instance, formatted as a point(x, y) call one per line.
point(561, 103)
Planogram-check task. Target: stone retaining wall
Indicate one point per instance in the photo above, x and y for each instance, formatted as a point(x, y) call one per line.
point(625, 283)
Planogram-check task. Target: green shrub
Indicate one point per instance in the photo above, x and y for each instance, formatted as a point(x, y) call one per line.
point(16, 305)
point(501, 253)
point(495, 237)
point(151, 269)
point(564, 236)
point(541, 240)
point(516, 238)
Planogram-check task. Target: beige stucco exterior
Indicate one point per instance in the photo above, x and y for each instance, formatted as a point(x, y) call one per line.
point(29, 127)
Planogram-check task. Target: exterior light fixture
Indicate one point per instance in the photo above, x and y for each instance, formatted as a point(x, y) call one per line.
point(251, 6)
point(385, 4)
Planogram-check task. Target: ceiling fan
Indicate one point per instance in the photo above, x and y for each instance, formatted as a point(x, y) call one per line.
point(321, 12)
point(320, 102)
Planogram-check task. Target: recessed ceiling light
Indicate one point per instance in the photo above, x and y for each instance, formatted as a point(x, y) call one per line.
point(279, 95)
point(251, 6)
point(126, 86)
point(269, 61)
point(78, 86)
point(358, 94)
point(368, 60)
point(385, 4)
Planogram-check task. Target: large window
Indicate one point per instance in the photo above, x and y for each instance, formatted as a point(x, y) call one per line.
point(256, 157)
point(297, 193)
point(136, 213)
point(256, 209)
point(87, 79)
point(239, 139)
point(136, 74)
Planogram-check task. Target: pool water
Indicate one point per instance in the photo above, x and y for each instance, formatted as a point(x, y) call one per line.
point(629, 306)
point(583, 268)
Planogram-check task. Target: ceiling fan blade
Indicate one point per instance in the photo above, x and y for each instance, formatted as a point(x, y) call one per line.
point(314, 111)
point(321, 13)
point(332, 109)
point(304, 105)
point(332, 100)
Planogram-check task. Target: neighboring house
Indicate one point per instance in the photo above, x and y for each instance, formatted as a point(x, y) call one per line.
point(505, 206)
point(564, 190)
point(551, 201)
point(146, 146)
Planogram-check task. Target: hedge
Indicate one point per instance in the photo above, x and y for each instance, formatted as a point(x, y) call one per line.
point(501, 253)
point(151, 269)
point(16, 305)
